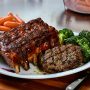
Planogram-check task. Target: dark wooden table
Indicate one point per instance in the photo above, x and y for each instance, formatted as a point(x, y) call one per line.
point(54, 13)
point(9, 83)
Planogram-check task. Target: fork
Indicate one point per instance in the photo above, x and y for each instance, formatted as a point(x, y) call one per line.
point(77, 82)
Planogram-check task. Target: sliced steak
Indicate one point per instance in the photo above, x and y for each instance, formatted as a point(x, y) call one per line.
point(61, 58)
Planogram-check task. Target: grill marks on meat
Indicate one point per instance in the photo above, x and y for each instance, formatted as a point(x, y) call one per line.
point(22, 44)
point(26, 38)
point(13, 34)
point(61, 58)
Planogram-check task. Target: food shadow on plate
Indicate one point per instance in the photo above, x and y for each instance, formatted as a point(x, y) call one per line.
point(4, 66)
point(33, 69)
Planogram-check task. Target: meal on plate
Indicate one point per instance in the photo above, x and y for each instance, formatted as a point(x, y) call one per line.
point(42, 45)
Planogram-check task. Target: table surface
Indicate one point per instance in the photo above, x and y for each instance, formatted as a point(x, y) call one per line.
point(54, 13)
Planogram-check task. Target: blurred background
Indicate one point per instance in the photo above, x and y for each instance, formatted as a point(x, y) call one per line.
point(51, 11)
point(30, 9)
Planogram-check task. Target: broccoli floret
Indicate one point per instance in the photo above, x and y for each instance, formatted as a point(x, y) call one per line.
point(83, 43)
point(85, 34)
point(64, 34)
point(71, 40)
point(83, 40)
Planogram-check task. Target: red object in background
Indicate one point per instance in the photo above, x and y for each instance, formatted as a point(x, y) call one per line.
point(82, 6)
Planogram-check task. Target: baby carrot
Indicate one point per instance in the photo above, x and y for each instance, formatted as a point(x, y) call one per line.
point(19, 19)
point(7, 18)
point(15, 17)
point(11, 24)
point(11, 14)
point(4, 28)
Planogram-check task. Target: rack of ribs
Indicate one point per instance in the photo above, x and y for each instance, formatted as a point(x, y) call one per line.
point(23, 44)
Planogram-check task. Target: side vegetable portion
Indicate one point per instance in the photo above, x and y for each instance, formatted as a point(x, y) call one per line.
point(64, 34)
point(83, 40)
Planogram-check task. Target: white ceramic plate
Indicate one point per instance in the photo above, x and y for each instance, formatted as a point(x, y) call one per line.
point(34, 73)
point(78, 11)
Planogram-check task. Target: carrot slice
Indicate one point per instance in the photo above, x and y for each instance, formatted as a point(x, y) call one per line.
point(11, 24)
point(8, 18)
point(3, 28)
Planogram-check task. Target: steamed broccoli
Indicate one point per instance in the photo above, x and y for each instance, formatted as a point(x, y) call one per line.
point(64, 34)
point(83, 43)
point(85, 34)
point(71, 40)
point(83, 40)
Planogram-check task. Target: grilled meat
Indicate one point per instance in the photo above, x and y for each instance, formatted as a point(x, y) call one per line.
point(61, 58)
point(21, 45)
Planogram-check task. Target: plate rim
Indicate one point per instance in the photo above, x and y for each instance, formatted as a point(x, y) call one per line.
point(47, 76)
